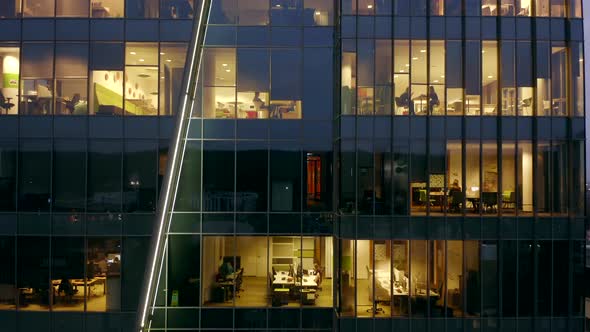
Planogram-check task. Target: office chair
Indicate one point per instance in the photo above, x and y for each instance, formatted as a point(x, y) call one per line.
point(5, 103)
point(71, 104)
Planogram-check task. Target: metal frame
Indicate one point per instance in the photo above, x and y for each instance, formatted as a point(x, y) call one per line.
point(169, 190)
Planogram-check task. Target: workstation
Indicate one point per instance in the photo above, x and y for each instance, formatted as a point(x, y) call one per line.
point(267, 271)
point(401, 277)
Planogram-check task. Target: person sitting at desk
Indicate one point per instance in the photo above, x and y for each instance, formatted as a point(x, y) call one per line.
point(432, 99)
point(455, 188)
point(226, 269)
point(404, 100)
point(66, 287)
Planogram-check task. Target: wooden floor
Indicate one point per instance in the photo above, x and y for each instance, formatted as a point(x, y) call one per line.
point(255, 294)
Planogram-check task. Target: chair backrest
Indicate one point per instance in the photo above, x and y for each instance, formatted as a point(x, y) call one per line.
point(457, 197)
point(423, 195)
point(489, 197)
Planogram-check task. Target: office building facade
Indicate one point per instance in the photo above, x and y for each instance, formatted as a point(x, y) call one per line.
point(353, 165)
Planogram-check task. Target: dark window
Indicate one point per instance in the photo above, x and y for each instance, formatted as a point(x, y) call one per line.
point(8, 175)
point(34, 175)
point(183, 269)
point(139, 178)
point(218, 176)
point(33, 272)
point(251, 176)
point(104, 176)
point(69, 175)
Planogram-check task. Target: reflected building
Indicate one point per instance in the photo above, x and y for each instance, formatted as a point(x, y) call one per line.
point(308, 165)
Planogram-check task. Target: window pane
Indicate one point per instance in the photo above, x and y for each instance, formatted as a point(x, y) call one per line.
point(33, 273)
point(318, 180)
point(455, 177)
point(67, 274)
point(507, 67)
point(141, 90)
point(557, 8)
point(558, 80)
point(7, 277)
point(319, 12)
point(489, 7)
point(251, 177)
point(34, 175)
point(71, 98)
point(71, 60)
point(134, 256)
point(490, 77)
point(472, 183)
point(9, 71)
point(38, 8)
point(72, 8)
point(542, 7)
point(489, 278)
point(141, 8)
point(183, 269)
point(104, 176)
point(8, 175)
point(454, 79)
point(254, 12)
point(419, 277)
point(525, 177)
point(524, 78)
point(508, 194)
point(286, 89)
point(473, 54)
point(10, 8)
point(106, 93)
point(218, 176)
point(103, 269)
point(189, 187)
point(172, 58)
point(139, 185)
point(348, 77)
point(489, 193)
point(286, 12)
point(69, 174)
point(285, 170)
point(577, 78)
point(222, 12)
point(543, 72)
point(106, 8)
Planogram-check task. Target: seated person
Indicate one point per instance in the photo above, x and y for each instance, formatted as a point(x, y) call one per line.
point(454, 188)
point(258, 103)
point(66, 287)
point(404, 100)
point(432, 99)
point(226, 269)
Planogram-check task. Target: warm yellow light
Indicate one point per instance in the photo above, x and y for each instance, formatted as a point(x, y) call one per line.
point(141, 60)
point(132, 53)
point(370, 6)
point(422, 51)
